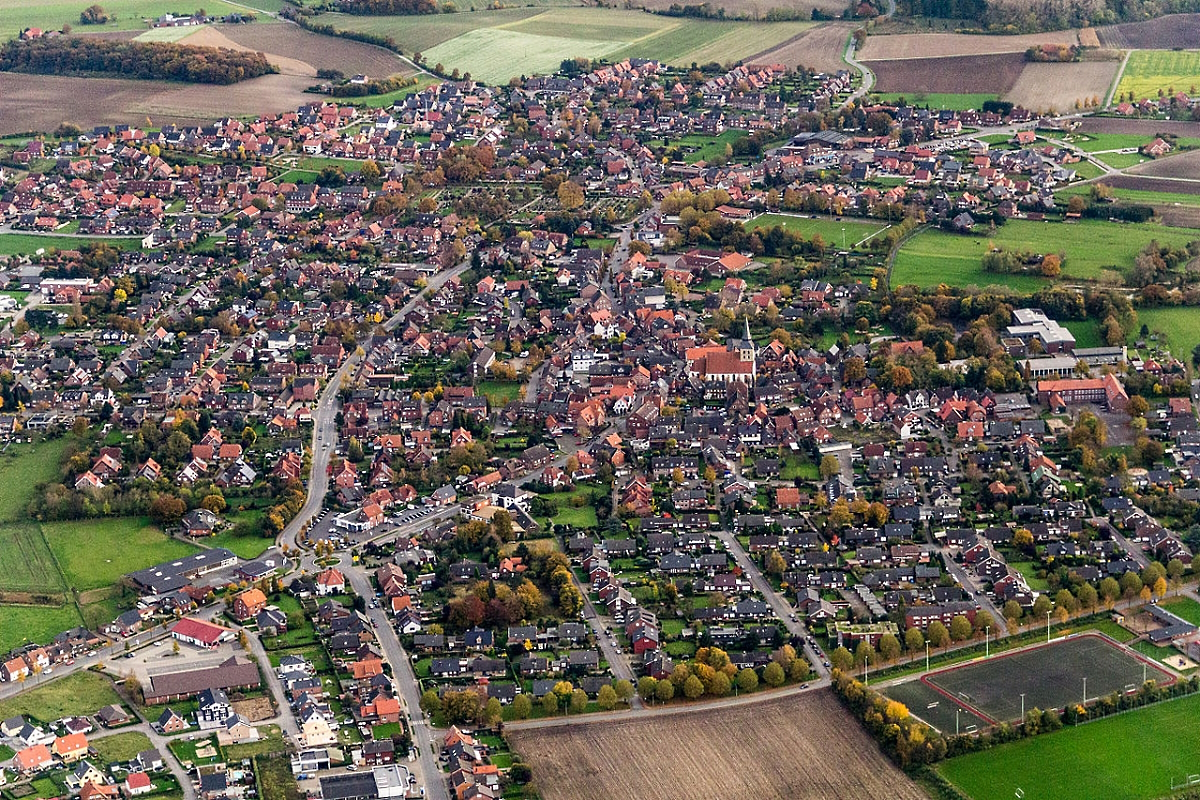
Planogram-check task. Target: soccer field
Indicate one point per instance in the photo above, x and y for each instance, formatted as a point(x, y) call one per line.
point(1050, 676)
point(1133, 756)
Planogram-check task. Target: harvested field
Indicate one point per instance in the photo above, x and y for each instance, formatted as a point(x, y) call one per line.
point(41, 102)
point(1142, 127)
point(821, 49)
point(321, 52)
point(1060, 86)
point(754, 9)
point(770, 749)
point(1183, 165)
point(1147, 184)
point(941, 45)
point(1176, 30)
point(209, 36)
point(994, 74)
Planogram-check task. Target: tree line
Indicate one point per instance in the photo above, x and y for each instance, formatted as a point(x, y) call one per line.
point(69, 55)
point(1020, 16)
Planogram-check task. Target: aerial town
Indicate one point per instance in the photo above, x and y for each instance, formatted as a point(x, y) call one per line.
point(784, 430)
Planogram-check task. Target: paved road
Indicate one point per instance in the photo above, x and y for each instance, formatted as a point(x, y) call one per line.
point(617, 659)
point(1131, 549)
point(423, 735)
point(969, 583)
point(783, 610)
point(285, 719)
point(696, 707)
point(325, 414)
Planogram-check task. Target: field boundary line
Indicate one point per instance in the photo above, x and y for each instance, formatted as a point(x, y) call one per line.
point(506, 24)
point(891, 258)
point(1112, 90)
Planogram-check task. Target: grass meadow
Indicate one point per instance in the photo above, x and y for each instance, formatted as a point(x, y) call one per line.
point(1091, 246)
point(77, 694)
point(495, 45)
point(1180, 326)
point(1131, 756)
point(17, 244)
point(96, 553)
point(126, 15)
point(830, 230)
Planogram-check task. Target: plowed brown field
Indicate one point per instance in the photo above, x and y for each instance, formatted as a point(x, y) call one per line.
point(820, 49)
point(803, 747)
point(994, 74)
point(934, 45)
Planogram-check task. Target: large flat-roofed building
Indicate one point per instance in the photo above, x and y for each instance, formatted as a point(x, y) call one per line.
point(171, 576)
point(381, 783)
point(1031, 324)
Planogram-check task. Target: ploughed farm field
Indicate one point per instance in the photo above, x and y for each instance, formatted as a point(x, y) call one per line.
point(759, 751)
point(41, 102)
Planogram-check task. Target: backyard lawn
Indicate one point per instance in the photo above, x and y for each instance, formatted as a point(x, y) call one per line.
point(121, 747)
point(77, 694)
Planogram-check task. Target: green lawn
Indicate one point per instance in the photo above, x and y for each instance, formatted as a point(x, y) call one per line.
point(12, 244)
point(77, 694)
point(21, 469)
point(386, 731)
point(1180, 326)
point(96, 553)
point(704, 148)
point(121, 747)
point(1122, 160)
point(1134, 196)
point(185, 750)
point(499, 393)
point(582, 517)
point(23, 624)
point(1085, 331)
point(248, 547)
point(26, 563)
point(1150, 71)
point(954, 102)
point(386, 100)
point(934, 256)
point(317, 163)
point(1096, 142)
point(1130, 756)
point(831, 231)
point(1184, 607)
